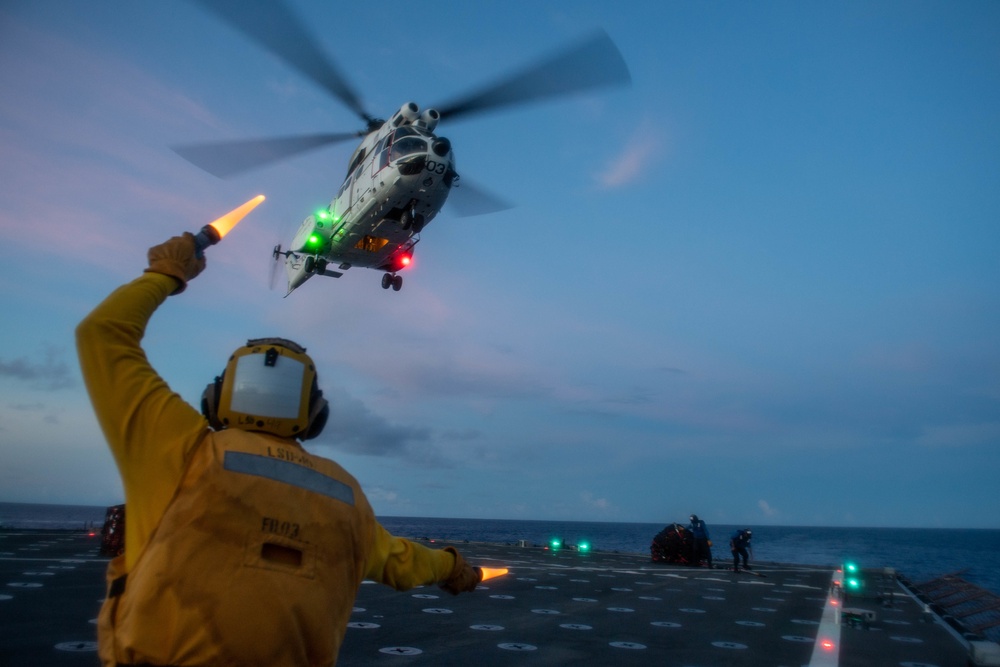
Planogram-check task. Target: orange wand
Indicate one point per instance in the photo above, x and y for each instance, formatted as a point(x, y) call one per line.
point(213, 232)
point(490, 572)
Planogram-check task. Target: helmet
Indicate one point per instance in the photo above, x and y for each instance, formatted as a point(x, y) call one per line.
point(269, 385)
point(694, 517)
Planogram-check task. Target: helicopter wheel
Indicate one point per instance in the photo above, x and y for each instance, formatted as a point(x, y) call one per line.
point(387, 281)
point(397, 283)
point(418, 223)
point(310, 264)
point(406, 219)
point(321, 266)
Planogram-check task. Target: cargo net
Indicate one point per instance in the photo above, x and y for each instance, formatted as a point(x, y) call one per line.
point(673, 544)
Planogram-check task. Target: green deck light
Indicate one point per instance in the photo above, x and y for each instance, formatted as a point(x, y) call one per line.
point(852, 576)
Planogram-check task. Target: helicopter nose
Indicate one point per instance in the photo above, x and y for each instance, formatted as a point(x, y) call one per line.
point(441, 146)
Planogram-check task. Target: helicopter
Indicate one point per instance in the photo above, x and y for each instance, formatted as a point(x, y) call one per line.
point(402, 172)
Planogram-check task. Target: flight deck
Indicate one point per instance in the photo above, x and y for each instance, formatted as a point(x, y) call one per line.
point(559, 607)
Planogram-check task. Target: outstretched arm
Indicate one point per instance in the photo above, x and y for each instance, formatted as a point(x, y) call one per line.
point(403, 564)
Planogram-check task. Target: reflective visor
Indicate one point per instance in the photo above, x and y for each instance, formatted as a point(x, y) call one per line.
point(268, 391)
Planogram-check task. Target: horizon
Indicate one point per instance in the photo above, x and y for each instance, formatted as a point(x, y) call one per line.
point(638, 523)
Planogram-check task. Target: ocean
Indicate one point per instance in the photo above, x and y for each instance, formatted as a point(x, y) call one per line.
point(919, 553)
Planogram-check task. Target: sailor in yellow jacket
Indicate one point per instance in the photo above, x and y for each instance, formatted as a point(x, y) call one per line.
point(241, 548)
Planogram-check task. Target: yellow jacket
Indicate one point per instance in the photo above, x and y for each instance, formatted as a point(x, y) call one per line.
point(240, 547)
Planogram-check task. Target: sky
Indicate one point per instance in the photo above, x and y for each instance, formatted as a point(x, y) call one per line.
point(760, 284)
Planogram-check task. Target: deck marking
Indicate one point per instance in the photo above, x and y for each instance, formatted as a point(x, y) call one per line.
point(77, 646)
point(826, 649)
point(400, 650)
point(517, 647)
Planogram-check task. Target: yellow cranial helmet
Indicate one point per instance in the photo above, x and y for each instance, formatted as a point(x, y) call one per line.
point(269, 385)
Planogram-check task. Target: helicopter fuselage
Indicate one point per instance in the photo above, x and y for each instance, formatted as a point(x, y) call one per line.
point(397, 181)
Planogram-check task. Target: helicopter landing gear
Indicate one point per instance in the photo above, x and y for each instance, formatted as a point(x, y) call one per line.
point(314, 265)
point(409, 219)
point(393, 281)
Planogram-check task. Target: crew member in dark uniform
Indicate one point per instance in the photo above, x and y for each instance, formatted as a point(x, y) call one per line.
point(739, 544)
point(702, 542)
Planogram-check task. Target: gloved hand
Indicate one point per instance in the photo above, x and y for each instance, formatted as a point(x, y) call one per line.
point(463, 577)
point(176, 258)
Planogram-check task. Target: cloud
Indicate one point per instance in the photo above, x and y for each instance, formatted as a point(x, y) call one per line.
point(641, 150)
point(602, 505)
point(766, 508)
point(49, 374)
point(355, 429)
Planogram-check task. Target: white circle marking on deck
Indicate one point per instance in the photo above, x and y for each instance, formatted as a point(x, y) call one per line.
point(486, 626)
point(621, 609)
point(400, 650)
point(797, 638)
point(628, 645)
point(733, 645)
point(77, 647)
point(363, 625)
point(517, 647)
point(575, 626)
point(425, 596)
point(551, 612)
point(649, 597)
point(765, 609)
point(24, 584)
point(584, 600)
point(502, 597)
point(690, 610)
point(666, 624)
point(436, 610)
point(750, 624)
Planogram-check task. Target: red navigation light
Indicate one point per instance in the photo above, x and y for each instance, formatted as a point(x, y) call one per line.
point(827, 644)
point(405, 260)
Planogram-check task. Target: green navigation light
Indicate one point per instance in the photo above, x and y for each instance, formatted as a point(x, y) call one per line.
point(584, 546)
point(852, 576)
point(556, 543)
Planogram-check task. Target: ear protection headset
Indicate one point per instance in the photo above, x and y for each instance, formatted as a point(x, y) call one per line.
point(269, 385)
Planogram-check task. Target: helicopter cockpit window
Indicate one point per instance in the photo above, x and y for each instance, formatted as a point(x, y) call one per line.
point(407, 146)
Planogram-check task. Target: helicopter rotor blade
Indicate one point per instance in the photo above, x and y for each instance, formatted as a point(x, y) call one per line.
point(466, 200)
point(273, 25)
point(228, 158)
point(592, 63)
